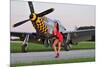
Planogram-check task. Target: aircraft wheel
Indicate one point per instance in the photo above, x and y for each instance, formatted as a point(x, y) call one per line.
point(66, 47)
point(24, 48)
point(46, 43)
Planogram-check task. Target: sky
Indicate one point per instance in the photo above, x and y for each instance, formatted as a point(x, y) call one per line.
point(70, 15)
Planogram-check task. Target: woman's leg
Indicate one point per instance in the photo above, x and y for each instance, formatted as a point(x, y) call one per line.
point(54, 45)
point(59, 47)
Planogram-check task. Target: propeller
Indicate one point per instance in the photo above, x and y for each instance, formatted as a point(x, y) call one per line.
point(31, 7)
point(19, 23)
point(33, 12)
point(45, 12)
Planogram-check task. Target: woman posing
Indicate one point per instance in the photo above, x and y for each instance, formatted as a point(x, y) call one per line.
point(58, 39)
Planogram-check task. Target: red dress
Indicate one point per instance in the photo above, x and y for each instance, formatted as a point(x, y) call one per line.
point(58, 34)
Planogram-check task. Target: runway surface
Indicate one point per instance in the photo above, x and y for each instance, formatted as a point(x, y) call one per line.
point(42, 56)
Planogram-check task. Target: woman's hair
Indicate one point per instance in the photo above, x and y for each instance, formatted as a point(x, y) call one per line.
point(57, 25)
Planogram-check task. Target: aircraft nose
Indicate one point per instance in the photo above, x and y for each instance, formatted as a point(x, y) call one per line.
point(33, 17)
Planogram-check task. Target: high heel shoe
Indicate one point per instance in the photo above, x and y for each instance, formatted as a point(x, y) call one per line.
point(57, 55)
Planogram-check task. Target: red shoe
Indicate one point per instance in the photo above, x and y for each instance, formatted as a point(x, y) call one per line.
point(57, 55)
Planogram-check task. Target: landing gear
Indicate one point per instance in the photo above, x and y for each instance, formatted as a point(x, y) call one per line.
point(25, 43)
point(47, 42)
point(67, 41)
point(66, 46)
point(24, 47)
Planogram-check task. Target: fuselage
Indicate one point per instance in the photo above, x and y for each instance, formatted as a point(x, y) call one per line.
point(44, 25)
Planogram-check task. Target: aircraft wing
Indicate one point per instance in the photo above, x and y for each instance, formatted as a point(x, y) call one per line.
point(80, 35)
point(22, 35)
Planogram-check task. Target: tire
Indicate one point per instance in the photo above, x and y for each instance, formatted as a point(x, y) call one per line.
point(46, 44)
point(24, 48)
point(66, 47)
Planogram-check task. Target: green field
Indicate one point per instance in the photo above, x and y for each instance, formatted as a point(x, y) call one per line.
point(33, 47)
point(56, 62)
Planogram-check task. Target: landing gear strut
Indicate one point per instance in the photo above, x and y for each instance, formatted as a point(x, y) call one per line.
point(67, 45)
point(67, 42)
point(25, 43)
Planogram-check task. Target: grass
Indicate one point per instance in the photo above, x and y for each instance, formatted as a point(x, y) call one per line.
point(56, 62)
point(16, 47)
point(33, 47)
point(84, 45)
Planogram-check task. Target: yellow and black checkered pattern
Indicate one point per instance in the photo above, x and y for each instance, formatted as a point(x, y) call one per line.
point(41, 25)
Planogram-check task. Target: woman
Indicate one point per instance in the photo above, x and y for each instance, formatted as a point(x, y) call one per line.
point(58, 40)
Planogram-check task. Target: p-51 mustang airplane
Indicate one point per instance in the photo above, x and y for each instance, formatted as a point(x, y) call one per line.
point(44, 26)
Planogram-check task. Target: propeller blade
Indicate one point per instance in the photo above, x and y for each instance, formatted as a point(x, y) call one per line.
point(31, 6)
point(45, 12)
point(19, 23)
